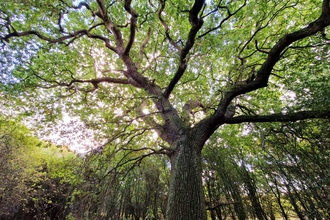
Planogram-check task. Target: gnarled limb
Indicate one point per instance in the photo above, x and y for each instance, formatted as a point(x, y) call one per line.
point(196, 24)
point(296, 116)
point(71, 37)
point(133, 22)
point(273, 57)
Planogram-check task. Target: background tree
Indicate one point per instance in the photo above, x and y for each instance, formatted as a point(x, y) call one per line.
point(274, 161)
point(175, 68)
point(297, 169)
point(36, 178)
point(109, 191)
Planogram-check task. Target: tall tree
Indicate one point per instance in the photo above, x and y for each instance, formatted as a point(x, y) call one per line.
point(35, 177)
point(179, 68)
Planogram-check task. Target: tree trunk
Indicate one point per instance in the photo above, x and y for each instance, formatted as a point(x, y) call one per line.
point(277, 195)
point(186, 195)
point(294, 203)
point(252, 193)
point(234, 191)
point(219, 214)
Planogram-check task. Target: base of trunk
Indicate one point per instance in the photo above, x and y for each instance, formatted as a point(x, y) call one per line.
point(186, 195)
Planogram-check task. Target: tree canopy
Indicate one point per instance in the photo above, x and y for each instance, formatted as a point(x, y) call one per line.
point(163, 76)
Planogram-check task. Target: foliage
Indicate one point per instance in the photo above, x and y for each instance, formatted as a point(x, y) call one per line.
point(36, 177)
point(110, 188)
point(172, 77)
point(288, 164)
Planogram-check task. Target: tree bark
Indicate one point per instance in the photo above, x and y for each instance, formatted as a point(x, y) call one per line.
point(252, 193)
point(294, 203)
point(186, 195)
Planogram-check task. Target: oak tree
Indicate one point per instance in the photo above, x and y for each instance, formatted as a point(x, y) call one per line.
point(181, 69)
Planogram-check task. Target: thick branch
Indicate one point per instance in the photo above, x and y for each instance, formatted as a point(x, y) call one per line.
point(196, 24)
point(62, 39)
point(134, 17)
point(279, 117)
point(96, 81)
point(102, 13)
point(159, 129)
point(39, 35)
point(273, 57)
point(260, 27)
point(325, 8)
point(211, 123)
point(193, 14)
